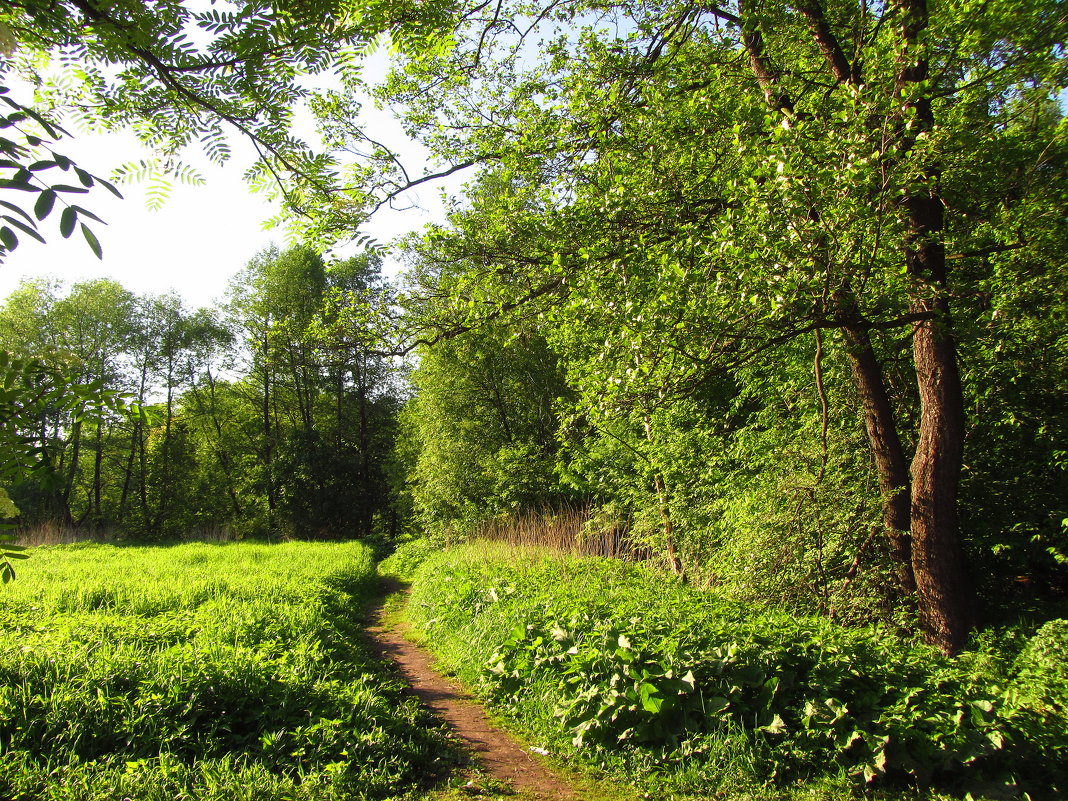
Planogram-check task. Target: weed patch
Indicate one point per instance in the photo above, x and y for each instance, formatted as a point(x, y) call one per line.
point(629, 669)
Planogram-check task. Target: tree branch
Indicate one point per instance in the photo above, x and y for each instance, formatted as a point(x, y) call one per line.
point(400, 190)
point(828, 43)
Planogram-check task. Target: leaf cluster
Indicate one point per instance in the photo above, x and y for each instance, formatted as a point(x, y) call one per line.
point(27, 164)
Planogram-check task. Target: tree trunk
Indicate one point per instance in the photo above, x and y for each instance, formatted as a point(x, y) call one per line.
point(96, 515)
point(135, 437)
point(221, 453)
point(943, 595)
point(164, 501)
point(890, 463)
point(943, 592)
point(367, 499)
point(266, 405)
point(669, 528)
point(72, 473)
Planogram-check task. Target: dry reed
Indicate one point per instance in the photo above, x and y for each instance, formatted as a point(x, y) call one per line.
point(53, 532)
point(572, 529)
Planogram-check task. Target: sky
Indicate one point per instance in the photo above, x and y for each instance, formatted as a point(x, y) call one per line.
point(200, 238)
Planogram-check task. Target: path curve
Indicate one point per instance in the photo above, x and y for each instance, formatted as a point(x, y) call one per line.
point(498, 753)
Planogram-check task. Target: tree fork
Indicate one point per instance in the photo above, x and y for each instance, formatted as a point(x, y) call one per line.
point(885, 443)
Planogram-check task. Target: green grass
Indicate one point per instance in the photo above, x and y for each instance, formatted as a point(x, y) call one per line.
point(231, 671)
point(686, 695)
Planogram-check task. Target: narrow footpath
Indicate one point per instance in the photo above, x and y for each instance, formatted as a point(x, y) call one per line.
point(496, 751)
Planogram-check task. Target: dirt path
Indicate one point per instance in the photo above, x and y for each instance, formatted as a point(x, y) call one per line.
point(500, 756)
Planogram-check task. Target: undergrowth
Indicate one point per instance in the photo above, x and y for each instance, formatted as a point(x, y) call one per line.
point(627, 669)
point(231, 671)
point(406, 559)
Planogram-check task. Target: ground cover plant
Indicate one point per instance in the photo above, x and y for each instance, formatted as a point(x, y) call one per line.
point(226, 671)
point(626, 668)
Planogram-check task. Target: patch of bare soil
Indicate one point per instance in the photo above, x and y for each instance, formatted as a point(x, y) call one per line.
point(499, 754)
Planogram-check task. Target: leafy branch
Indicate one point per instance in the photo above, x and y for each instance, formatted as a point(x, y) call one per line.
point(24, 161)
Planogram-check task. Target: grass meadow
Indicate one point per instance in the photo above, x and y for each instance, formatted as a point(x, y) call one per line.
point(202, 671)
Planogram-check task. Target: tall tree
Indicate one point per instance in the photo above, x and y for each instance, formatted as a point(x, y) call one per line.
point(725, 178)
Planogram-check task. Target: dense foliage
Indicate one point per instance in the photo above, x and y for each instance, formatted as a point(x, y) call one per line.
point(780, 253)
point(756, 282)
point(207, 671)
point(610, 662)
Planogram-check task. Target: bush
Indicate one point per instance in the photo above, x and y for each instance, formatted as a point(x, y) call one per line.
point(1036, 705)
point(627, 667)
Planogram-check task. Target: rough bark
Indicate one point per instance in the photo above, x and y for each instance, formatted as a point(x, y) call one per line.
point(944, 594)
point(764, 69)
point(945, 600)
point(930, 514)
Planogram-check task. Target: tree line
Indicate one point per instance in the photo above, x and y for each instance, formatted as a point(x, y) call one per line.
point(244, 420)
point(799, 267)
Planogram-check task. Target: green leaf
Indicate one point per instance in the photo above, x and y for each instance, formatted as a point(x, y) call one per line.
point(715, 705)
point(45, 201)
point(8, 238)
point(26, 229)
point(94, 243)
point(110, 187)
point(777, 726)
point(51, 129)
point(652, 700)
point(750, 675)
point(67, 221)
point(21, 185)
point(86, 213)
point(17, 210)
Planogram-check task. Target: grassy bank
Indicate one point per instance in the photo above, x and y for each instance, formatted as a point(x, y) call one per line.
point(628, 670)
point(201, 672)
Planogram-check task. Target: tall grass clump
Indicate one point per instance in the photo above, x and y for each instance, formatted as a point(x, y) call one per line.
point(407, 557)
point(580, 531)
point(201, 671)
point(627, 668)
point(575, 530)
point(567, 529)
